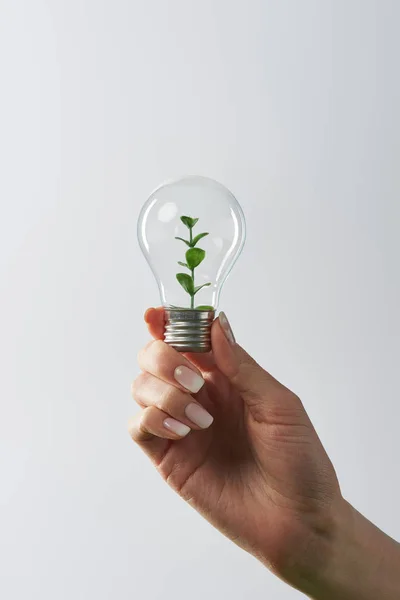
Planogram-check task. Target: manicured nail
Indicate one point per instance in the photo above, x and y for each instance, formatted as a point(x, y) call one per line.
point(226, 328)
point(198, 415)
point(176, 427)
point(188, 379)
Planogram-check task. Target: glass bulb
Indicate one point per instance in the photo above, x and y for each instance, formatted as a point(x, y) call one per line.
point(191, 232)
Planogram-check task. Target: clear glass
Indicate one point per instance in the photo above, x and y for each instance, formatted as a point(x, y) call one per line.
point(218, 214)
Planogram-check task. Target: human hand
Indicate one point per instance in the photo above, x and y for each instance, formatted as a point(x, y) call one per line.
point(258, 472)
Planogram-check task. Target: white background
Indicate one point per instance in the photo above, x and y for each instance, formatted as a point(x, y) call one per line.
point(292, 105)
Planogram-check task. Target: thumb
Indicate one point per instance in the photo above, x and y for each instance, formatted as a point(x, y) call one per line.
point(256, 385)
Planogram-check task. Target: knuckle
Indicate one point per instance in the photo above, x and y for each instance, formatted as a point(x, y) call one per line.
point(131, 430)
point(140, 356)
point(168, 400)
point(142, 353)
point(138, 385)
point(135, 428)
point(143, 421)
point(285, 397)
point(146, 419)
point(294, 398)
point(158, 349)
point(146, 424)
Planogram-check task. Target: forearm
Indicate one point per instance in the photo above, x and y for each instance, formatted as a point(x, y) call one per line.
point(364, 562)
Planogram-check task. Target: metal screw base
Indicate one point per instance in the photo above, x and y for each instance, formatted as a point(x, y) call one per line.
point(188, 330)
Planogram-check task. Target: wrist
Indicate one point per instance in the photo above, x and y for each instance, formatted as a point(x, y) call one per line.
point(362, 562)
point(309, 544)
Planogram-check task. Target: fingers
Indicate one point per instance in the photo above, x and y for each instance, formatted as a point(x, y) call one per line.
point(162, 361)
point(149, 391)
point(169, 415)
point(153, 431)
point(257, 387)
point(242, 370)
point(224, 349)
point(155, 320)
point(154, 422)
point(164, 389)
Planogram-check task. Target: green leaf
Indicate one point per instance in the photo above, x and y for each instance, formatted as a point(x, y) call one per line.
point(182, 264)
point(198, 238)
point(204, 307)
point(182, 240)
point(198, 287)
point(189, 222)
point(194, 257)
point(186, 282)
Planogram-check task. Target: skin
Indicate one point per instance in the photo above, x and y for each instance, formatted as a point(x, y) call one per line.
point(259, 473)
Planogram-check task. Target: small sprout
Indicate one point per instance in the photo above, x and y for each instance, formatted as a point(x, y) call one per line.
point(194, 257)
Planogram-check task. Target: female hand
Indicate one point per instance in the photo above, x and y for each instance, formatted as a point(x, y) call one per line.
point(239, 446)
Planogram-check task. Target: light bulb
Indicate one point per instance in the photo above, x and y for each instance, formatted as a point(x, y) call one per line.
point(191, 232)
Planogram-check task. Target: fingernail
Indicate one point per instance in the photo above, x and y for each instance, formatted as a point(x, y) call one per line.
point(226, 328)
point(198, 415)
point(177, 427)
point(188, 379)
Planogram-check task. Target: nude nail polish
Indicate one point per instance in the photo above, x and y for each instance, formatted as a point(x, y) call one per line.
point(188, 379)
point(198, 415)
point(226, 328)
point(176, 427)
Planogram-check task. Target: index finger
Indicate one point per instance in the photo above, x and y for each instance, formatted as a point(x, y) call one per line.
point(155, 321)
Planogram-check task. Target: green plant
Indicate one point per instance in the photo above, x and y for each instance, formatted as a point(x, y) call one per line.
point(194, 256)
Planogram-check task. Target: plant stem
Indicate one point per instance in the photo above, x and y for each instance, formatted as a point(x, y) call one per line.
point(192, 270)
point(192, 297)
